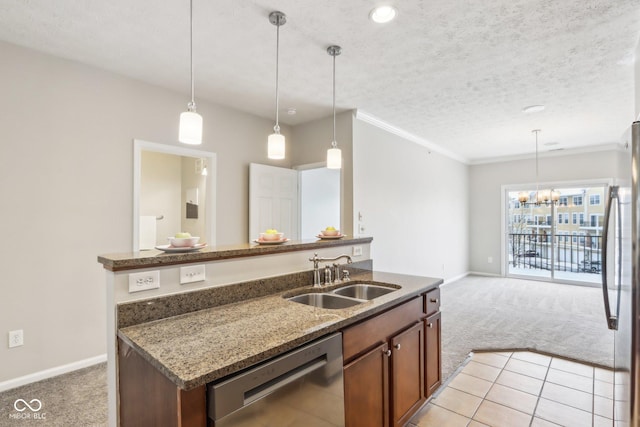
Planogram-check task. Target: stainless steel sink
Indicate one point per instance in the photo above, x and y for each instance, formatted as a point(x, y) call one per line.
point(363, 291)
point(323, 300)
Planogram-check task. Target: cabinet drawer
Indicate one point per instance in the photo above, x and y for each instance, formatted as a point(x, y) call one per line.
point(356, 339)
point(432, 301)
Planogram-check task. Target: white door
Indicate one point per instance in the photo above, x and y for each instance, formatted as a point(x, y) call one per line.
point(273, 200)
point(319, 200)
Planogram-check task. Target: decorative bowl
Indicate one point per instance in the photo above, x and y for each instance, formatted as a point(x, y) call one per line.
point(185, 242)
point(330, 232)
point(271, 236)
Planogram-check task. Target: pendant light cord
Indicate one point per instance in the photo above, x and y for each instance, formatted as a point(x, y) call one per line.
point(334, 143)
point(276, 128)
point(192, 104)
point(537, 185)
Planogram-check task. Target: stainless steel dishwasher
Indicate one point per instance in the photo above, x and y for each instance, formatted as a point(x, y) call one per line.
point(300, 388)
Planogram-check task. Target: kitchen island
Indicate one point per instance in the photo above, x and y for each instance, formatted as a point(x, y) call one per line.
point(184, 341)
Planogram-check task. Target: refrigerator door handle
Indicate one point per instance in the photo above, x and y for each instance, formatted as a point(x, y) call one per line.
point(612, 321)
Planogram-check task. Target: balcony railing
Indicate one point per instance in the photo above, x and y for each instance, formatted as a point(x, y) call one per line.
point(571, 253)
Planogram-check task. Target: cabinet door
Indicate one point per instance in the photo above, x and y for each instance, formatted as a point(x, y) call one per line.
point(366, 389)
point(433, 372)
point(407, 373)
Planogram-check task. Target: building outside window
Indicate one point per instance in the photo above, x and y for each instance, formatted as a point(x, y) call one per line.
point(563, 201)
point(566, 218)
point(581, 217)
point(574, 217)
point(594, 199)
point(577, 200)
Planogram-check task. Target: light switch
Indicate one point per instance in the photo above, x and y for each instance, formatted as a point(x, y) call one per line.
point(192, 273)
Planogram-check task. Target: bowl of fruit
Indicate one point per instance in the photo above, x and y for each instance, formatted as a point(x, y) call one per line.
point(330, 231)
point(271, 235)
point(183, 240)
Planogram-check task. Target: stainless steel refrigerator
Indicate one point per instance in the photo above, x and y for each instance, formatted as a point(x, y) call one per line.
point(621, 282)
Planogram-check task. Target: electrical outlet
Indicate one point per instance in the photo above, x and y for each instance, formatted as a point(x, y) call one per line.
point(192, 273)
point(357, 251)
point(144, 281)
point(16, 338)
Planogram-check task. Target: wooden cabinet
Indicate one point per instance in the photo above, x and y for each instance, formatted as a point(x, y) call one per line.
point(432, 349)
point(407, 362)
point(148, 398)
point(366, 388)
point(386, 349)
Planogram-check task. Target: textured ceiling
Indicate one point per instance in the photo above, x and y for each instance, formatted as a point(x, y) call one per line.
point(455, 73)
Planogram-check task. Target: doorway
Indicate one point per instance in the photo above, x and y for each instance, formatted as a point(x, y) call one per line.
point(555, 234)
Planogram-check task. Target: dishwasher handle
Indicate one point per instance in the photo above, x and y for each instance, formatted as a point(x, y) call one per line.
point(242, 389)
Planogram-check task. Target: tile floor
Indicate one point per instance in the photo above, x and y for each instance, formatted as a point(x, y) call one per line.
point(521, 388)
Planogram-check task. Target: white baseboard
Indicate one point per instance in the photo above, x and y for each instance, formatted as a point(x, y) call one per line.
point(455, 278)
point(481, 273)
point(52, 372)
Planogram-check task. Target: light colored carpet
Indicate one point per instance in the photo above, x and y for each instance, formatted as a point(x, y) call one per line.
point(78, 398)
point(477, 313)
point(486, 313)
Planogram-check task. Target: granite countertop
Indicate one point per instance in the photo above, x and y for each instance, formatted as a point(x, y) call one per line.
point(196, 348)
point(155, 258)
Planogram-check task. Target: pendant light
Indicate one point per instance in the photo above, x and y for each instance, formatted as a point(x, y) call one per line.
point(275, 142)
point(190, 122)
point(334, 154)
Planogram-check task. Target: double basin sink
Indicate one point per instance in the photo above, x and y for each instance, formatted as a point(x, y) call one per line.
point(344, 296)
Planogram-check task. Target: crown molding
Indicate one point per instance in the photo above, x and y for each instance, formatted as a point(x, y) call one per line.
point(381, 124)
point(551, 153)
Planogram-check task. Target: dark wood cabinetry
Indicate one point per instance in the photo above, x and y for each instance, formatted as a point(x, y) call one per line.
point(432, 350)
point(407, 361)
point(148, 398)
point(366, 388)
point(395, 340)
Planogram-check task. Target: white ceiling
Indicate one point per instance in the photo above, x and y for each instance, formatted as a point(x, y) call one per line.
point(455, 73)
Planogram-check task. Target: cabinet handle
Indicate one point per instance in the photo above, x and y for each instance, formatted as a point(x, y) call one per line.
point(431, 325)
point(387, 352)
point(397, 346)
point(435, 300)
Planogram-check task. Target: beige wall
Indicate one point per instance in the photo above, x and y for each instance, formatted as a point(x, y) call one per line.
point(313, 139)
point(485, 191)
point(413, 202)
point(67, 132)
point(160, 191)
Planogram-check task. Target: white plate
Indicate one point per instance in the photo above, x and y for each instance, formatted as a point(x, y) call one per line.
point(270, 242)
point(169, 248)
point(339, 236)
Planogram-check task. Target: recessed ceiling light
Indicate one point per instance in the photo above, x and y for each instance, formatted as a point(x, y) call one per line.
point(383, 14)
point(291, 111)
point(533, 109)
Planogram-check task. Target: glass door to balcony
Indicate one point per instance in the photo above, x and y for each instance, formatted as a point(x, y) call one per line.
point(558, 237)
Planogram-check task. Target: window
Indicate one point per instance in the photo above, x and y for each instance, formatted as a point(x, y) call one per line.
point(566, 218)
point(548, 219)
point(581, 216)
point(582, 234)
point(577, 200)
point(559, 218)
point(593, 220)
point(564, 201)
point(574, 236)
point(594, 199)
point(574, 218)
point(516, 204)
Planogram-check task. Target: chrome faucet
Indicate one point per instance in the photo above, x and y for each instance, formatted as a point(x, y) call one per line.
point(316, 268)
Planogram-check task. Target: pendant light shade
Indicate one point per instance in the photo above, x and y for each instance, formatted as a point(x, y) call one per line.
point(334, 158)
point(334, 154)
point(275, 146)
point(190, 128)
point(190, 131)
point(275, 142)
